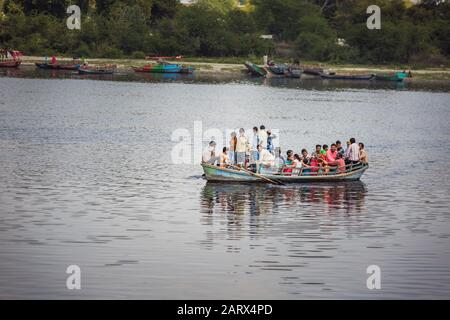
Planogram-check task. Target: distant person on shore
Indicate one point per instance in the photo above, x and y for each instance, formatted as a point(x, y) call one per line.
point(255, 143)
point(209, 154)
point(233, 145)
point(53, 59)
point(363, 157)
point(242, 146)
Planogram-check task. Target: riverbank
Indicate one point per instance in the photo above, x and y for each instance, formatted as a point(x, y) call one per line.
point(220, 65)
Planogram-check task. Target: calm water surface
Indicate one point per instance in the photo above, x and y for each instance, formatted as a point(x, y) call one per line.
point(86, 179)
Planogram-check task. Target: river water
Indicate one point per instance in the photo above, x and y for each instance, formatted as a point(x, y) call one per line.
point(87, 179)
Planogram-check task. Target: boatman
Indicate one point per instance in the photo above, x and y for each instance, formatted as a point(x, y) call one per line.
point(209, 154)
point(266, 161)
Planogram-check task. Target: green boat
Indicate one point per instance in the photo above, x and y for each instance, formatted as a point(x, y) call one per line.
point(296, 175)
point(255, 70)
point(396, 76)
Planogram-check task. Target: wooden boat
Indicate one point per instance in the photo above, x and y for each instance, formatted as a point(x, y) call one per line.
point(312, 71)
point(10, 63)
point(278, 69)
point(293, 73)
point(107, 69)
point(298, 175)
point(396, 76)
point(347, 77)
point(187, 70)
point(255, 70)
point(160, 67)
point(59, 66)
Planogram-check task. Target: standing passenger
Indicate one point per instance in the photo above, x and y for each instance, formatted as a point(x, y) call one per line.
point(363, 157)
point(241, 147)
point(353, 152)
point(270, 138)
point(263, 136)
point(233, 145)
point(255, 144)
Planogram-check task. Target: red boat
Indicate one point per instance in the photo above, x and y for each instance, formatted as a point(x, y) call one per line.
point(10, 63)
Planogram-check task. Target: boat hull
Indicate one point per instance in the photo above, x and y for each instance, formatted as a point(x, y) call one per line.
point(218, 174)
point(88, 71)
point(396, 77)
point(160, 68)
point(347, 77)
point(255, 70)
point(58, 66)
point(10, 64)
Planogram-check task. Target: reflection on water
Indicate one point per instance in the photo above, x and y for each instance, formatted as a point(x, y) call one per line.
point(257, 199)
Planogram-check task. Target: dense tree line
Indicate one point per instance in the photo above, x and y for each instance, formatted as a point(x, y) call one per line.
point(323, 30)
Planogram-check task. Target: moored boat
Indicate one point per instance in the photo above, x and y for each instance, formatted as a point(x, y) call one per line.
point(107, 69)
point(396, 76)
point(59, 66)
point(161, 67)
point(347, 77)
point(255, 70)
point(311, 71)
point(293, 73)
point(10, 63)
point(297, 175)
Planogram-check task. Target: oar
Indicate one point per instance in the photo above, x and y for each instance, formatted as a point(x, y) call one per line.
point(259, 176)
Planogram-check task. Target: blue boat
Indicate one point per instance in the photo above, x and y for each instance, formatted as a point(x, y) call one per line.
point(297, 175)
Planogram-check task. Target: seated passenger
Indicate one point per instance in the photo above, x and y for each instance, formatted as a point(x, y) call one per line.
point(209, 154)
point(340, 163)
point(289, 163)
point(331, 154)
point(266, 160)
point(224, 159)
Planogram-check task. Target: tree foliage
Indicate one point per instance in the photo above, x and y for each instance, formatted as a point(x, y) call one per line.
point(117, 28)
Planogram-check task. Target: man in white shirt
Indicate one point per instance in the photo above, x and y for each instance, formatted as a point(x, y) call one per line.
point(353, 152)
point(262, 137)
point(266, 159)
point(209, 154)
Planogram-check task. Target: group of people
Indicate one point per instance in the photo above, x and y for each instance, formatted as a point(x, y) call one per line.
point(260, 152)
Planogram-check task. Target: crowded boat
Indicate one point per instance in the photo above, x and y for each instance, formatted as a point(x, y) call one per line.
point(258, 156)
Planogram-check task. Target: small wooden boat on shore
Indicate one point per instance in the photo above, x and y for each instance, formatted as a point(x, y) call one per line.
point(278, 69)
point(58, 66)
point(10, 63)
point(255, 70)
point(347, 77)
point(161, 67)
point(352, 172)
point(107, 69)
point(311, 71)
point(293, 73)
point(396, 76)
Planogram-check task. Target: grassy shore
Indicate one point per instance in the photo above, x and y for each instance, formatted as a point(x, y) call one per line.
point(234, 65)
